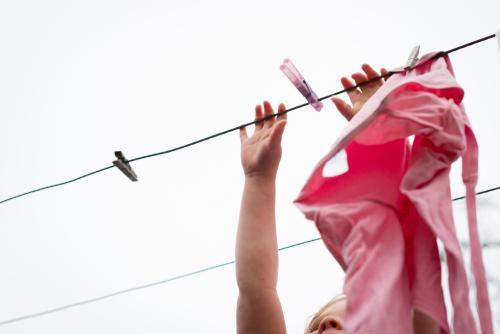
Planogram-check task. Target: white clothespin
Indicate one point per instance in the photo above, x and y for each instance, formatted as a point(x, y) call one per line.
point(124, 166)
point(413, 58)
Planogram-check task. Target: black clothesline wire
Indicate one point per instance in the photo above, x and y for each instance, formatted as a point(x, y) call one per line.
point(192, 273)
point(440, 54)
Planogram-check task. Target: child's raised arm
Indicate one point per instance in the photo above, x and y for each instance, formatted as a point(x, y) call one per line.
point(259, 309)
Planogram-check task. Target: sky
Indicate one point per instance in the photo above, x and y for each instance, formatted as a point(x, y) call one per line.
point(82, 79)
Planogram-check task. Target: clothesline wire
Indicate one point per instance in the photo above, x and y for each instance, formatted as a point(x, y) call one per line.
point(240, 126)
point(185, 275)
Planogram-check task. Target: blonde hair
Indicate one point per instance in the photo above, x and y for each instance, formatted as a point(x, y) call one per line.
point(315, 318)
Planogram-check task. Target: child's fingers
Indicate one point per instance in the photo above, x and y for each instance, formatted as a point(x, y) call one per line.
point(243, 134)
point(384, 72)
point(352, 93)
point(359, 77)
point(372, 74)
point(366, 88)
point(258, 115)
point(277, 131)
point(268, 111)
point(281, 109)
point(343, 107)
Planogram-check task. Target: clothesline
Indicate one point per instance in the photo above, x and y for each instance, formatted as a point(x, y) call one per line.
point(235, 128)
point(185, 275)
point(117, 293)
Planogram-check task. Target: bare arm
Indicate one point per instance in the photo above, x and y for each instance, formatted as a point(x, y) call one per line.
point(259, 309)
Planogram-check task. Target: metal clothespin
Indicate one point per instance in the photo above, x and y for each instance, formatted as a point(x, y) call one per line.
point(124, 166)
point(413, 58)
point(301, 84)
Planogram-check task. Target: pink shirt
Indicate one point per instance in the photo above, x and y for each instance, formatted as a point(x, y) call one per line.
point(379, 204)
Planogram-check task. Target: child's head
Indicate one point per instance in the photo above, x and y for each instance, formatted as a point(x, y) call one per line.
point(330, 316)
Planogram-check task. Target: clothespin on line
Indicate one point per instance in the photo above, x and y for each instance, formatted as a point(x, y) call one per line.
point(301, 84)
point(413, 58)
point(123, 165)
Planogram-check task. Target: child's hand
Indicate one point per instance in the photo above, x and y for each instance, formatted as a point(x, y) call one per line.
point(261, 153)
point(360, 95)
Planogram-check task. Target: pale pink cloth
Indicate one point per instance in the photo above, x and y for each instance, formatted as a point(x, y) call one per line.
point(380, 211)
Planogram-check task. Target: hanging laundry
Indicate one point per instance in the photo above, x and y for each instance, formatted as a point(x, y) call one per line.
point(380, 213)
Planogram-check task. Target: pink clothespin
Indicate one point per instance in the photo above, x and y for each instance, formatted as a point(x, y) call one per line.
point(301, 84)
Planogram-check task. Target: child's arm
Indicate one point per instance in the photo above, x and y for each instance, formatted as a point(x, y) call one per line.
point(259, 309)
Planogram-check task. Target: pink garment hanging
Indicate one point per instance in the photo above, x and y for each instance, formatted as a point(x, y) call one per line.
point(379, 204)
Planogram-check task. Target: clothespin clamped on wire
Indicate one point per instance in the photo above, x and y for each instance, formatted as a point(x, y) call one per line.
point(413, 58)
point(124, 166)
point(301, 84)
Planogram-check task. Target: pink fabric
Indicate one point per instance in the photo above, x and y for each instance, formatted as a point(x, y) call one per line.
point(381, 217)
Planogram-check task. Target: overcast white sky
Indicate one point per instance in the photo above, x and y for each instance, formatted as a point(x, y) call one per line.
point(81, 79)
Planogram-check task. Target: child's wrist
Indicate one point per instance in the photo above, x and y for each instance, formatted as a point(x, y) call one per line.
point(260, 178)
